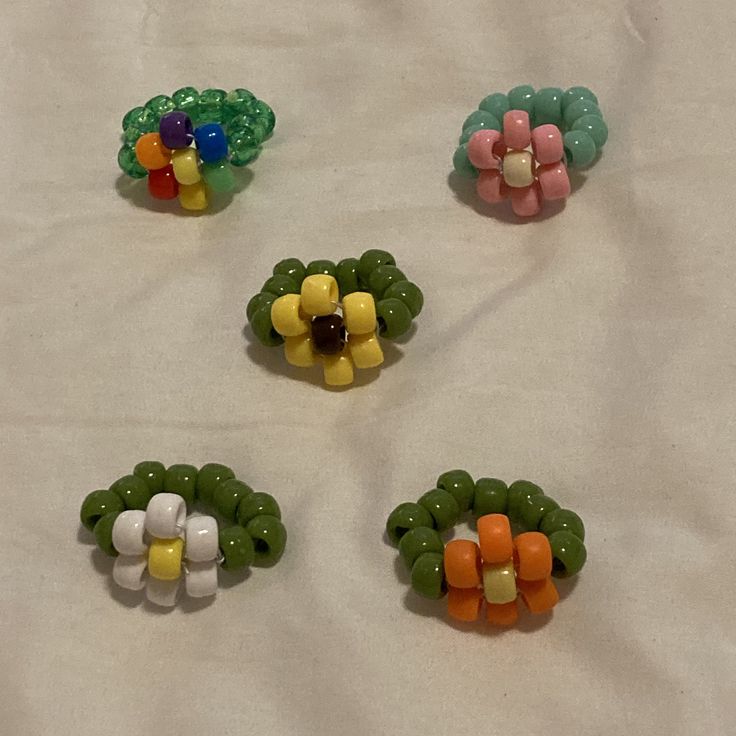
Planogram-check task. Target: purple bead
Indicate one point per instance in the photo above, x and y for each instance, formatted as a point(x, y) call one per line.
point(175, 129)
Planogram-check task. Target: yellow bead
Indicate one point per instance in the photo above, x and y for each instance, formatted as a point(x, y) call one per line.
point(499, 582)
point(287, 318)
point(186, 165)
point(299, 351)
point(319, 295)
point(193, 196)
point(365, 350)
point(359, 313)
point(164, 558)
point(338, 369)
point(518, 169)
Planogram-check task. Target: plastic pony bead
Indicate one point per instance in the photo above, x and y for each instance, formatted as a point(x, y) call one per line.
point(187, 144)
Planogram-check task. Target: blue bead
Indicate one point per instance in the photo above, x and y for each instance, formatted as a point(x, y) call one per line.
point(211, 142)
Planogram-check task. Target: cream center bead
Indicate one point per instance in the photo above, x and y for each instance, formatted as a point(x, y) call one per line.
point(127, 533)
point(320, 293)
point(499, 582)
point(201, 539)
point(518, 168)
point(165, 515)
point(359, 313)
point(287, 316)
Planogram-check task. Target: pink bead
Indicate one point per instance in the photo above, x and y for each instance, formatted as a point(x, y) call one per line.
point(483, 149)
point(516, 131)
point(547, 144)
point(491, 187)
point(554, 181)
point(526, 202)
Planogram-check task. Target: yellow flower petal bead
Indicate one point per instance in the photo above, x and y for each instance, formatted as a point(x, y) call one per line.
point(287, 318)
point(365, 350)
point(359, 313)
point(320, 294)
point(164, 558)
point(338, 369)
point(499, 582)
point(186, 165)
point(518, 168)
point(193, 196)
point(299, 351)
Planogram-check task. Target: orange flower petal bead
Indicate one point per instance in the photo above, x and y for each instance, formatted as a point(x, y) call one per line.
point(151, 153)
point(494, 537)
point(462, 564)
point(533, 556)
point(539, 595)
point(463, 604)
point(502, 614)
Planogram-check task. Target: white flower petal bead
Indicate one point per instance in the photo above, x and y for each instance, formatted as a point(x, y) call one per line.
point(201, 539)
point(127, 533)
point(201, 579)
point(162, 592)
point(165, 515)
point(129, 570)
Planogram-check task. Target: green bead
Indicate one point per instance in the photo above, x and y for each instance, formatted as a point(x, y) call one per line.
point(579, 109)
point(269, 539)
point(393, 317)
point(131, 135)
point(291, 267)
point(482, 118)
point(228, 495)
point(346, 273)
point(580, 150)
point(263, 329)
point(186, 99)
point(548, 106)
point(257, 504)
point(428, 575)
point(568, 554)
point(559, 520)
point(209, 477)
point(133, 491)
point(595, 127)
point(519, 490)
point(461, 163)
point(244, 146)
point(407, 516)
point(467, 133)
point(219, 176)
point(370, 261)
point(141, 119)
point(262, 299)
point(132, 115)
point(533, 508)
point(236, 545)
point(160, 105)
point(497, 104)
point(237, 102)
point(210, 108)
point(280, 285)
point(491, 497)
point(382, 278)
point(103, 533)
point(443, 507)
point(460, 485)
point(418, 541)
point(522, 98)
point(265, 114)
point(250, 125)
point(322, 266)
point(153, 473)
point(128, 162)
point(577, 93)
point(182, 480)
point(407, 292)
point(97, 504)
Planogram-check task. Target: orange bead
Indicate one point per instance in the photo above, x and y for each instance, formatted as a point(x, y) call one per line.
point(462, 563)
point(494, 537)
point(539, 595)
point(533, 556)
point(463, 604)
point(151, 153)
point(502, 614)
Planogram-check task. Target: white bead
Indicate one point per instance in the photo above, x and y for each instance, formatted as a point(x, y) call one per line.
point(162, 592)
point(127, 533)
point(201, 579)
point(201, 539)
point(128, 571)
point(165, 515)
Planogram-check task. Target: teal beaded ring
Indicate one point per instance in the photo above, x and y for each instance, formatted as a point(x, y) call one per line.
point(519, 146)
point(142, 521)
point(501, 567)
point(188, 143)
point(333, 314)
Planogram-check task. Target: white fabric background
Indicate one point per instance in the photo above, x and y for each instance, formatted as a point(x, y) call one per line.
point(591, 351)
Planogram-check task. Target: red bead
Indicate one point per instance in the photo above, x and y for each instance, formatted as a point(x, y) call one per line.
point(162, 183)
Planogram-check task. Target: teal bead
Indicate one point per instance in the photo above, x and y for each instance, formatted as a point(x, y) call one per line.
point(461, 163)
point(580, 150)
point(577, 93)
point(522, 98)
point(211, 102)
point(467, 133)
point(579, 109)
point(160, 105)
point(383, 277)
point(182, 480)
point(370, 261)
point(153, 473)
point(227, 497)
point(491, 497)
point(219, 176)
point(428, 575)
point(595, 127)
point(407, 292)
point(291, 267)
point(257, 504)
point(262, 299)
point(548, 106)
point(269, 539)
point(418, 541)
point(237, 548)
point(262, 326)
point(407, 516)
point(103, 533)
point(346, 273)
point(443, 507)
point(568, 554)
point(186, 99)
point(244, 146)
point(482, 118)
point(265, 114)
point(497, 104)
point(280, 285)
point(321, 266)
point(519, 490)
point(99, 503)
point(128, 163)
point(209, 477)
point(459, 484)
point(133, 491)
point(533, 508)
point(559, 520)
point(393, 317)
point(237, 102)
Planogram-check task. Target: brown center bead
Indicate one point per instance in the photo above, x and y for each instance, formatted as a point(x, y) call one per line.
point(328, 334)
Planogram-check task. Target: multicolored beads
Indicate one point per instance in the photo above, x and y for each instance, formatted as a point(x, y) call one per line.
point(142, 521)
point(519, 146)
point(186, 144)
point(524, 539)
point(334, 314)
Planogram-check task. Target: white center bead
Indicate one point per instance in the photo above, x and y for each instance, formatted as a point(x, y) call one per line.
point(201, 539)
point(165, 515)
point(127, 532)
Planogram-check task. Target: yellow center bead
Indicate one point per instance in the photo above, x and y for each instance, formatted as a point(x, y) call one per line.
point(499, 582)
point(287, 318)
point(365, 350)
point(359, 313)
point(319, 295)
point(186, 165)
point(299, 351)
point(518, 169)
point(193, 196)
point(164, 558)
point(338, 369)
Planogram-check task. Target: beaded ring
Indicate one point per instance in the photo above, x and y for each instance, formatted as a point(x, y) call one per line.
point(333, 314)
point(520, 145)
point(185, 144)
point(142, 521)
point(501, 567)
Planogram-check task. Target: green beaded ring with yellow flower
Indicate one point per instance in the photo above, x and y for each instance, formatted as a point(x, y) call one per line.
point(334, 314)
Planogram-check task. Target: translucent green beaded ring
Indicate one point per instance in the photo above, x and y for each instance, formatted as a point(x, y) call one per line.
point(143, 521)
point(187, 144)
point(504, 565)
point(334, 314)
point(519, 146)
